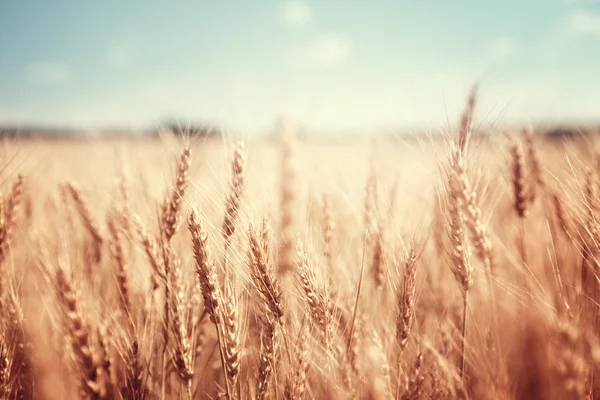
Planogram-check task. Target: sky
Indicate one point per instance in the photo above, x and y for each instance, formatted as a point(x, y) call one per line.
point(331, 65)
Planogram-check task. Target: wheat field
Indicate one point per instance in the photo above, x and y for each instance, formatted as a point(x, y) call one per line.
point(460, 266)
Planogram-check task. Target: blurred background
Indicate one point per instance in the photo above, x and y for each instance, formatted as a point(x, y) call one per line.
point(334, 67)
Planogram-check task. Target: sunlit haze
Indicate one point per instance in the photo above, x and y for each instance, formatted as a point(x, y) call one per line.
point(334, 66)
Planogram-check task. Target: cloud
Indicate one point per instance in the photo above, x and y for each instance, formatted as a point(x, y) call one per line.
point(48, 72)
point(296, 13)
point(119, 56)
point(585, 22)
point(502, 48)
point(325, 51)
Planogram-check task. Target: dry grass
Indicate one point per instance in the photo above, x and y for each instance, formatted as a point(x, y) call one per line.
point(457, 268)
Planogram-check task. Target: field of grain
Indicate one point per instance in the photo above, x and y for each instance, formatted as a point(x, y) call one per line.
point(433, 268)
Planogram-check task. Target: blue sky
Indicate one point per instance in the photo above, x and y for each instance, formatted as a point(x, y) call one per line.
point(331, 65)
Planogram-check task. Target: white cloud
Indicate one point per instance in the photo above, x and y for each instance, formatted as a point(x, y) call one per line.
point(585, 22)
point(296, 13)
point(327, 50)
point(48, 72)
point(119, 56)
point(502, 48)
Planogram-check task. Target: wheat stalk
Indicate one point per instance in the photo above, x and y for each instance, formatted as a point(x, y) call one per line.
point(172, 205)
point(92, 374)
point(232, 204)
point(288, 187)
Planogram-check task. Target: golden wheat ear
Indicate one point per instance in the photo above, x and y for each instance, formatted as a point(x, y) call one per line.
point(88, 220)
point(232, 203)
point(172, 205)
point(92, 375)
point(519, 181)
point(263, 275)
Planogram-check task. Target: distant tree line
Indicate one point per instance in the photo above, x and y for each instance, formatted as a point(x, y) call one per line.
point(191, 129)
point(32, 131)
point(204, 130)
point(561, 132)
point(65, 132)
